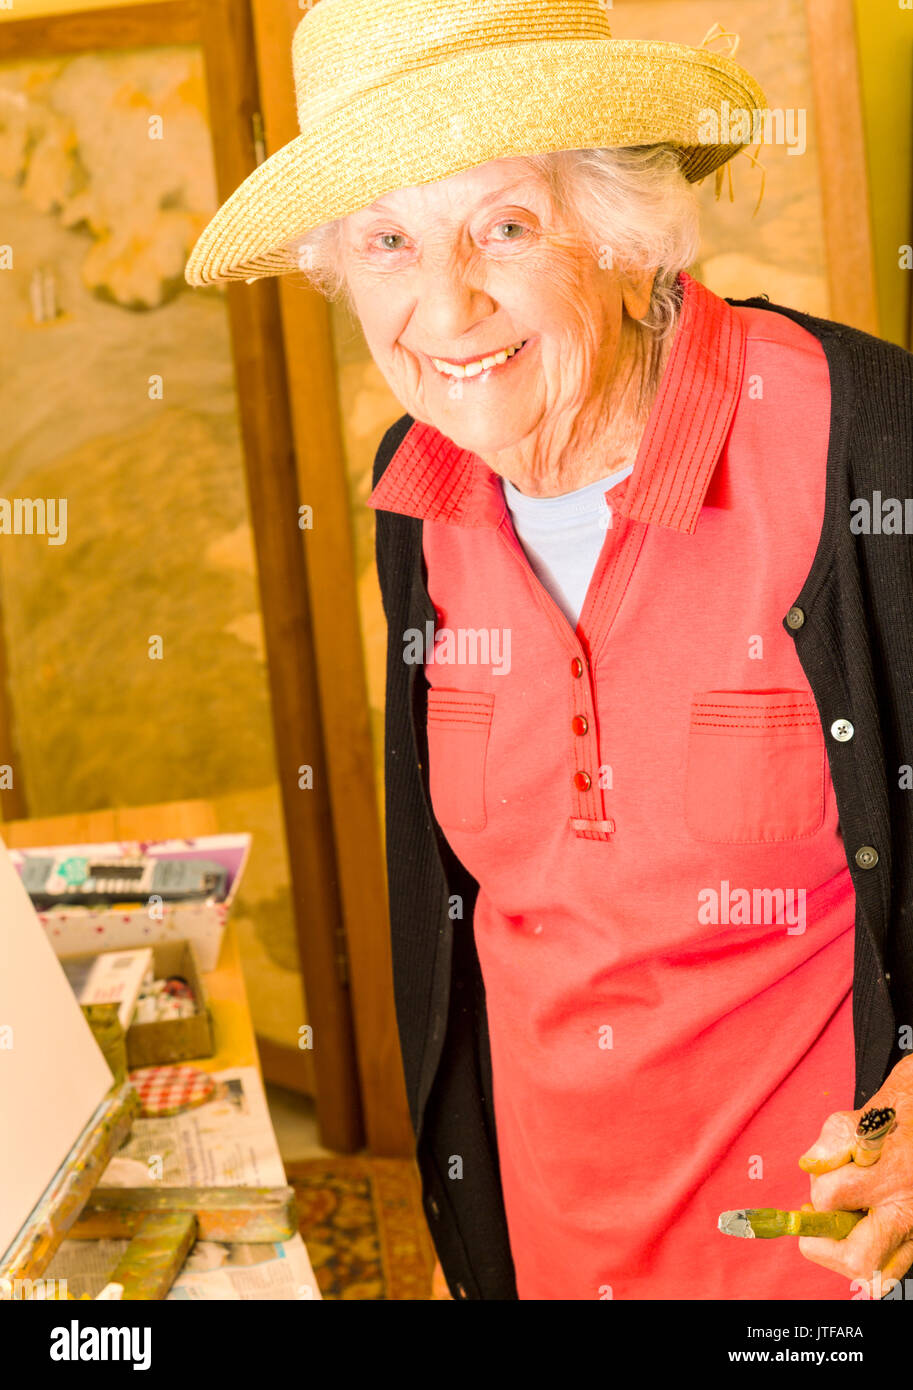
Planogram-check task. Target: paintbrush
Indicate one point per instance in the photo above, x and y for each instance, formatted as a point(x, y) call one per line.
point(765, 1223)
point(871, 1132)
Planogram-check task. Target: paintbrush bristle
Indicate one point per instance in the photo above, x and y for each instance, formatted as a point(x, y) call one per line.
point(874, 1120)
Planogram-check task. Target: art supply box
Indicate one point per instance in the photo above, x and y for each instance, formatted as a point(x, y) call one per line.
point(80, 930)
point(172, 1039)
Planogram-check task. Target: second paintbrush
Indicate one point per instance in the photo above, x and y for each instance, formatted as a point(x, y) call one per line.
point(765, 1223)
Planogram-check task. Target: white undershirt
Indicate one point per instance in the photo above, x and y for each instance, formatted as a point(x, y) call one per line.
point(562, 537)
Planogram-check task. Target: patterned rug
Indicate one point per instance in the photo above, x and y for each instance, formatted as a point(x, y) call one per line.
point(364, 1227)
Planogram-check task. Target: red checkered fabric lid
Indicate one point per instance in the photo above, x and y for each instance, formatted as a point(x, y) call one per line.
point(168, 1090)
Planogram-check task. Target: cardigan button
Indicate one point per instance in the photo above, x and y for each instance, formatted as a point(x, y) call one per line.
point(434, 1208)
point(795, 618)
point(582, 781)
point(579, 724)
point(576, 668)
point(842, 730)
point(461, 1291)
point(867, 856)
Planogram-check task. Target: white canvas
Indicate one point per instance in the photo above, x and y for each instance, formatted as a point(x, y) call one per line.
point(52, 1072)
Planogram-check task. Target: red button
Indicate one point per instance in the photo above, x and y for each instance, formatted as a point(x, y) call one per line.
point(579, 724)
point(582, 781)
point(576, 668)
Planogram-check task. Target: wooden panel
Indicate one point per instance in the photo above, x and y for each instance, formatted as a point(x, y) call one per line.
point(844, 174)
point(260, 367)
point(329, 553)
point(123, 26)
point(291, 1067)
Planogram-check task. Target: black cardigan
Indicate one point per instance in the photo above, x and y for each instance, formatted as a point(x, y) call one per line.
point(852, 623)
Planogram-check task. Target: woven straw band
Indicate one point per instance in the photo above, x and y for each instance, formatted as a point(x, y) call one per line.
point(393, 95)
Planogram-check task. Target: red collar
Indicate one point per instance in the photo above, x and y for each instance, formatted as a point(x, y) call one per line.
point(431, 477)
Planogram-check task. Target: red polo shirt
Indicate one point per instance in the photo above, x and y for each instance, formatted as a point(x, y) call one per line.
point(665, 914)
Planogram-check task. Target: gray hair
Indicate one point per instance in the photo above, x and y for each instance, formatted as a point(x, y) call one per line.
point(633, 205)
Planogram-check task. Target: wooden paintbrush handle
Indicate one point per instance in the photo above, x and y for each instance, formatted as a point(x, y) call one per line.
point(835, 1225)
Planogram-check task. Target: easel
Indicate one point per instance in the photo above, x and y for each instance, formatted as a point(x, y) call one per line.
point(162, 1223)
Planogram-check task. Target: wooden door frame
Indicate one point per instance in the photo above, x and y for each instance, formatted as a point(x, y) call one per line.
point(224, 32)
point(330, 558)
point(849, 249)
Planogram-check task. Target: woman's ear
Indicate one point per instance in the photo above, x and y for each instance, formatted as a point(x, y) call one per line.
point(636, 292)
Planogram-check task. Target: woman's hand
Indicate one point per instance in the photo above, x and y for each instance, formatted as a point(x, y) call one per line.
point(880, 1248)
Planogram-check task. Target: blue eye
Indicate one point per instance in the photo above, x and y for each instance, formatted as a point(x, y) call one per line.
point(391, 236)
point(518, 225)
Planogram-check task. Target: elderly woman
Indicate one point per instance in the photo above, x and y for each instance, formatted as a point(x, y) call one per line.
point(649, 713)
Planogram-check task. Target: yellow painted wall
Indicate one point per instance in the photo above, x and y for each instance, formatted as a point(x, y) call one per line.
point(885, 33)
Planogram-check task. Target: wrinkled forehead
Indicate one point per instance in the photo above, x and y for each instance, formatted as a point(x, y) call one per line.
point(461, 195)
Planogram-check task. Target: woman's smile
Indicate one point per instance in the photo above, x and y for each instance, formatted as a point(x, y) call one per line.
point(470, 368)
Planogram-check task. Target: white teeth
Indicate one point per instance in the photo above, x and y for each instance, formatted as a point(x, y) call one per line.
point(460, 370)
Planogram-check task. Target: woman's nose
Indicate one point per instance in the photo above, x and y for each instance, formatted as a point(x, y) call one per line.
point(452, 299)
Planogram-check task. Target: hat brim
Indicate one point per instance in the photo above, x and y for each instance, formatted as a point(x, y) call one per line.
point(520, 99)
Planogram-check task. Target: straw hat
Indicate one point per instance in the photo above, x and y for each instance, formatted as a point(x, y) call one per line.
point(395, 94)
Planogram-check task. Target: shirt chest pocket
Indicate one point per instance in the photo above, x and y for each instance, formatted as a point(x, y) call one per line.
point(756, 769)
point(459, 724)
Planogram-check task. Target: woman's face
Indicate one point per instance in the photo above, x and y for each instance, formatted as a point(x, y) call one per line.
point(450, 274)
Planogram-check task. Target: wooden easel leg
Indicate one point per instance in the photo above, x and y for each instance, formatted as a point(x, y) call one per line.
point(153, 1259)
